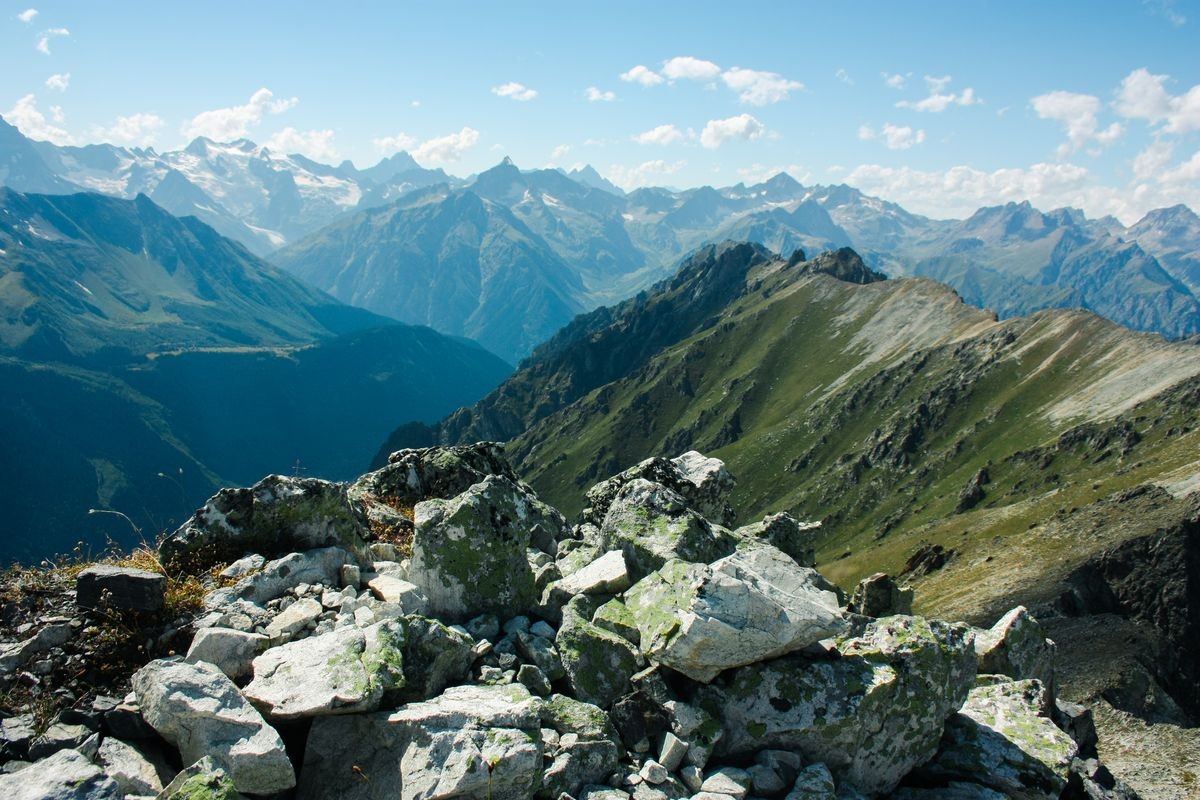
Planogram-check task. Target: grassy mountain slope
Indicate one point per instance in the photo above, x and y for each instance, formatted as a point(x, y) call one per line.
point(875, 407)
point(82, 274)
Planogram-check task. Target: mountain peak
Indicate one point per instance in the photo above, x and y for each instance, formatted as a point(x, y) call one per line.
point(507, 162)
point(844, 264)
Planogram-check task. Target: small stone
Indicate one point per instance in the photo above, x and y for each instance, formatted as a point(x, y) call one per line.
point(294, 619)
point(633, 779)
point(391, 589)
point(485, 626)
point(691, 776)
point(543, 629)
point(350, 576)
point(534, 680)
point(765, 780)
point(363, 616)
point(728, 780)
point(673, 749)
point(58, 736)
point(653, 772)
point(516, 625)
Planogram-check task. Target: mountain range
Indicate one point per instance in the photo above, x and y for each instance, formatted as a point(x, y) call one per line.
point(429, 248)
point(147, 360)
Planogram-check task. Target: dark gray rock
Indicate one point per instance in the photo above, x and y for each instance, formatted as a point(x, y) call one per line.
point(105, 586)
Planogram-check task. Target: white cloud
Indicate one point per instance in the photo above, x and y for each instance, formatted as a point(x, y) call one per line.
point(1166, 9)
point(59, 82)
point(138, 130)
point(317, 145)
point(27, 15)
point(939, 99)
point(392, 144)
point(415, 104)
point(896, 81)
point(1153, 161)
point(31, 122)
point(844, 77)
point(448, 148)
point(759, 88)
point(595, 95)
point(960, 190)
point(43, 45)
point(1143, 95)
point(1077, 113)
point(644, 174)
point(895, 137)
point(560, 152)
point(663, 134)
point(643, 75)
point(690, 68)
point(226, 124)
point(757, 173)
point(56, 114)
point(719, 131)
point(517, 91)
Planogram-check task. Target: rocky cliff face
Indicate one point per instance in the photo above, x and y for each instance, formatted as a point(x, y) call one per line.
point(435, 630)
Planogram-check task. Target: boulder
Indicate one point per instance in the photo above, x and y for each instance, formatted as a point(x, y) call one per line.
point(344, 671)
point(66, 775)
point(652, 524)
point(392, 589)
point(228, 650)
point(471, 741)
point(277, 515)
point(1017, 646)
point(615, 616)
point(59, 736)
point(200, 711)
point(106, 586)
point(590, 755)
point(598, 663)
point(704, 483)
point(1002, 739)
point(879, 595)
point(784, 532)
point(871, 714)
point(469, 552)
point(747, 607)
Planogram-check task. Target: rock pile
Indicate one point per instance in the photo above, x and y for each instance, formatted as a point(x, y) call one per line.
point(648, 652)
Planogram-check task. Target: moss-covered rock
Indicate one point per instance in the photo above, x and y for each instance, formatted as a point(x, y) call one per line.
point(590, 757)
point(469, 553)
point(750, 606)
point(1017, 646)
point(616, 617)
point(1003, 739)
point(703, 482)
point(344, 671)
point(871, 714)
point(276, 516)
point(652, 524)
point(597, 662)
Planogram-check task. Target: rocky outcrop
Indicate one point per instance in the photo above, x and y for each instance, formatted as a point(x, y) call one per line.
point(277, 515)
point(704, 483)
point(657, 656)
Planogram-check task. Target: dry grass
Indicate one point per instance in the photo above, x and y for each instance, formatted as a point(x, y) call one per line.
point(387, 531)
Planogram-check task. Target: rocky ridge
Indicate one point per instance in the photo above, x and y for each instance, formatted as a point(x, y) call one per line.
point(434, 630)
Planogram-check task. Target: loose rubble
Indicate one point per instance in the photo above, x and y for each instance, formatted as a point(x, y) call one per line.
point(434, 630)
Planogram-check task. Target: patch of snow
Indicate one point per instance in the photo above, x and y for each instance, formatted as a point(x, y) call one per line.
point(85, 289)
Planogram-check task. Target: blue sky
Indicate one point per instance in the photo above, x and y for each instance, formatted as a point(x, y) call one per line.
point(942, 107)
